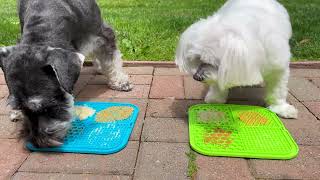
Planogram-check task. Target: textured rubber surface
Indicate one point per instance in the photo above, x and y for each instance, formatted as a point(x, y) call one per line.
point(91, 136)
point(239, 131)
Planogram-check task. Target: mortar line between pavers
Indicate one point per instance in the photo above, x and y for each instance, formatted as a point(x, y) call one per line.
point(169, 142)
point(17, 169)
point(74, 173)
point(308, 145)
point(310, 79)
point(184, 89)
point(148, 91)
point(151, 83)
point(144, 117)
point(301, 102)
point(97, 98)
point(140, 138)
point(137, 157)
point(171, 98)
point(150, 88)
point(290, 92)
point(11, 138)
point(251, 169)
point(165, 142)
point(304, 105)
point(151, 117)
point(310, 109)
point(153, 71)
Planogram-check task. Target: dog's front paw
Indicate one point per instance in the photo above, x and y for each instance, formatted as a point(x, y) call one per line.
point(218, 100)
point(285, 110)
point(215, 95)
point(121, 86)
point(16, 115)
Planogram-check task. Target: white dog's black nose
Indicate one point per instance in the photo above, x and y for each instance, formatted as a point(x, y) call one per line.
point(198, 77)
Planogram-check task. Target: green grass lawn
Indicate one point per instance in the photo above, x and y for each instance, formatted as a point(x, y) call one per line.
point(150, 29)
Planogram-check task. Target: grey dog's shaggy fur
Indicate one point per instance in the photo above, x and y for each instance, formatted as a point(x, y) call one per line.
point(43, 67)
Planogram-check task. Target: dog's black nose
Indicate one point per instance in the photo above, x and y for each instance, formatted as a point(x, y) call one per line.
point(198, 77)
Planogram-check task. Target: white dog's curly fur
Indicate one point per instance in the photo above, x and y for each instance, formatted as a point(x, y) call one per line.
point(244, 43)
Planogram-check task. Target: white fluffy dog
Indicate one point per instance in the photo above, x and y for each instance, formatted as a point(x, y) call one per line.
point(245, 43)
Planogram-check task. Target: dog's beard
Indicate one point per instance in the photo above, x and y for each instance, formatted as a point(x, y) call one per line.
point(45, 131)
point(47, 127)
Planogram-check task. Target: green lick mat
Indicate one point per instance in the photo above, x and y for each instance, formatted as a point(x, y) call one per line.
point(239, 131)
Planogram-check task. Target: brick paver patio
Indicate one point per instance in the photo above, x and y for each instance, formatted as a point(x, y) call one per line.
point(159, 143)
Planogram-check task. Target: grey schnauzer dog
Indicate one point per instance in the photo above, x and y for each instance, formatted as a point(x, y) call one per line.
point(43, 67)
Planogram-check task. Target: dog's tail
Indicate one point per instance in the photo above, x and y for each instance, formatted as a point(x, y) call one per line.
point(239, 65)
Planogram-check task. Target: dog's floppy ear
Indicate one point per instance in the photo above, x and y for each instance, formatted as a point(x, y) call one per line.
point(66, 66)
point(4, 52)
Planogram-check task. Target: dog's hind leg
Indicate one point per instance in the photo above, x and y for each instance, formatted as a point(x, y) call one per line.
point(108, 60)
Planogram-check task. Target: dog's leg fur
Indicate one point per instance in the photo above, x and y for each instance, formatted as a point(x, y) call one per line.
point(276, 94)
point(215, 95)
point(277, 79)
point(108, 61)
point(208, 73)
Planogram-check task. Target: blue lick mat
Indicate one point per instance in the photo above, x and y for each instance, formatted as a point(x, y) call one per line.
point(90, 136)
